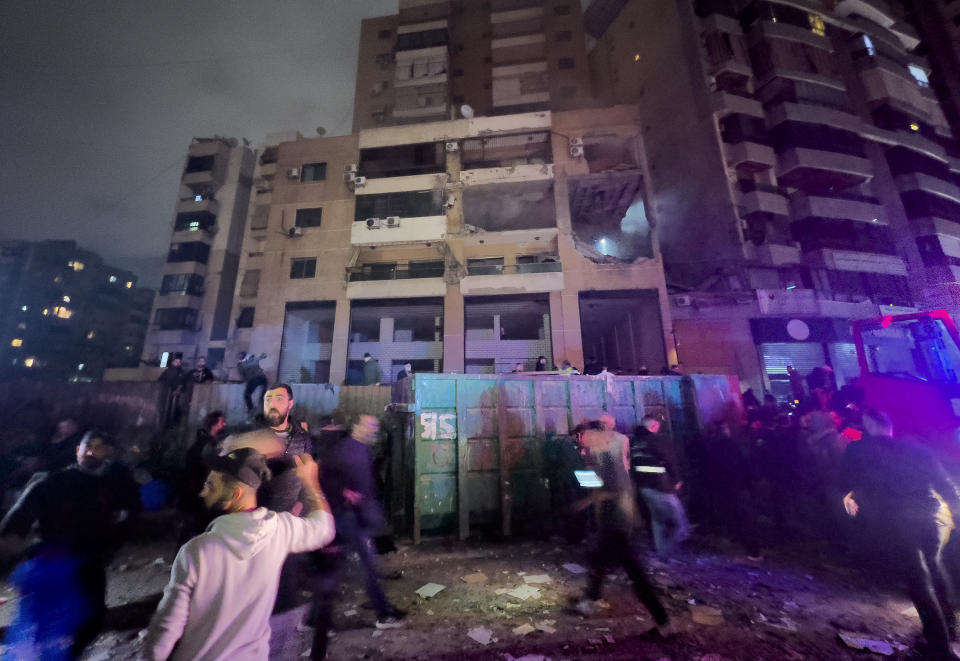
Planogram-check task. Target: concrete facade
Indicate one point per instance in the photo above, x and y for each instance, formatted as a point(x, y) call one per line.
point(801, 170)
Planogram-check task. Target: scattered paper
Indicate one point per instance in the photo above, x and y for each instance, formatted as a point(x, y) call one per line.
point(524, 592)
point(477, 577)
point(883, 647)
point(481, 634)
point(707, 615)
point(536, 579)
point(574, 568)
point(430, 590)
point(524, 629)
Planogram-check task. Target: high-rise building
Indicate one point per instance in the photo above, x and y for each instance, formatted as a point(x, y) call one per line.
point(803, 172)
point(191, 313)
point(66, 314)
point(496, 57)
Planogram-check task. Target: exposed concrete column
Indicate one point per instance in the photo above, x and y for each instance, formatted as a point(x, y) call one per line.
point(453, 330)
point(341, 341)
point(565, 328)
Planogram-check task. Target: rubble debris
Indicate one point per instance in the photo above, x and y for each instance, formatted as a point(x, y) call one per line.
point(707, 615)
point(430, 590)
point(546, 626)
point(482, 635)
point(536, 579)
point(574, 568)
point(524, 629)
point(524, 592)
point(476, 577)
point(857, 642)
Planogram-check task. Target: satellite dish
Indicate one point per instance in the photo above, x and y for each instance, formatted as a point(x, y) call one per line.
point(466, 111)
point(321, 131)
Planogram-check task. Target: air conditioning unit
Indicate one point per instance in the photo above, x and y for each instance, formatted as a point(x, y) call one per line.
point(294, 232)
point(683, 301)
point(293, 173)
point(392, 221)
point(373, 223)
point(352, 168)
point(453, 147)
point(359, 182)
point(348, 177)
point(576, 142)
point(576, 151)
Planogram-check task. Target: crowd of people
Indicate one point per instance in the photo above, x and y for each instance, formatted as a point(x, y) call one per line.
point(264, 536)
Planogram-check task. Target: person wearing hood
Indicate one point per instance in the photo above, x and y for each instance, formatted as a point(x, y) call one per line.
point(223, 583)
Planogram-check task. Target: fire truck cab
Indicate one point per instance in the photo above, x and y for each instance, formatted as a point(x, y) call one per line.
point(910, 368)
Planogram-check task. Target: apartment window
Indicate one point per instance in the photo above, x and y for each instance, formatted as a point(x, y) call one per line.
point(423, 39)
point(198, 164)
point(919, 75)
point(384, 34)
point(561, 10)
point(269, 155)
point(309, 217)
point(245, 320)
point(566, 63)
point(817, 26)
point(564, 35)
point(412, 204)
point(175, 319)
point(191, 251)
point(192, 221)
point(182, 284)
point(313, 172)
point(384, 60)
point(250, 283)
point(303, 268)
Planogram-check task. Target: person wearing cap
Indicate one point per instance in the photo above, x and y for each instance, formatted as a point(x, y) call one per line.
point(223, 583)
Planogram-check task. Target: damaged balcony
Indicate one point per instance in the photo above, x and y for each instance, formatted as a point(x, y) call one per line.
point(417, 279)
point(521, 157)
point(509, 206)
point(531, 274)
point(609, 217)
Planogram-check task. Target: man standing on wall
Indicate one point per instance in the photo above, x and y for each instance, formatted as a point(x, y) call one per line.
point(250, 371)
point(371, 371)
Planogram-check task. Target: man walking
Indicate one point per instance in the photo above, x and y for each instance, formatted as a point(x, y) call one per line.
point(607, 454)
point(250, 371)
point(348, 479)
point(890, 486)
point(371, 371)
point(223, 583)
point(63, 584)
point(653, 465)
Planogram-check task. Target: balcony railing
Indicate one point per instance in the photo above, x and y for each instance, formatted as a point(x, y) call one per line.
point(360, 275)
point(501, 269)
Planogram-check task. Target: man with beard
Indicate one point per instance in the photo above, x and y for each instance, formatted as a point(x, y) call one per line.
point(223, 583)
point(63, 584)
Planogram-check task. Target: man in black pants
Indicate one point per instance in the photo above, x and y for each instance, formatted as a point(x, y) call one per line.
point(250, 371)
point(79, 510)
point(607, 453)
point(888, 485)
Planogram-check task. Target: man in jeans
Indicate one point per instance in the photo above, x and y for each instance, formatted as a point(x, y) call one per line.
point(653, 465)
point(250, 371)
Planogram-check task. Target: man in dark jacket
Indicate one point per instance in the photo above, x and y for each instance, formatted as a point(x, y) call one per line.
point(656, 477)
point(371, 371)
point(349, 483)
point(79, 510)
point(195, 518)
point(201, 373)
point(250, 371)
point(890, 486)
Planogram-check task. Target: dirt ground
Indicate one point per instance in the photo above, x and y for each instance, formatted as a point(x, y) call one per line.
point(786, 607)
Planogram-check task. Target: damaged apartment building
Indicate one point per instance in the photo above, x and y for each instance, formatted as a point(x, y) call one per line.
point(480, 215)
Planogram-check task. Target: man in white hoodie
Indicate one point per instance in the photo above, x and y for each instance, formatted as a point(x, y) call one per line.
point(223, 583)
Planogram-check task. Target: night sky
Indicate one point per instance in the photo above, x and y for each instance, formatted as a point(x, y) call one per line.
point(99, 102)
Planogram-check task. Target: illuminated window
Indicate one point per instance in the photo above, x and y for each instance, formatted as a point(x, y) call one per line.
point(198, 198)
point(24, 308)
point(46, 311)
point(29, 362)
point(914, 127)
point(66, 299)
point(636, 58)
point(91, 335)
point(16, 342)
point(62, 313)
point(75, 265)
point(21, 325)
point(112, 279)
point(129, 284)
point(128, 348)
point(817, 26)
point(80, 367)
point(919, 75)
